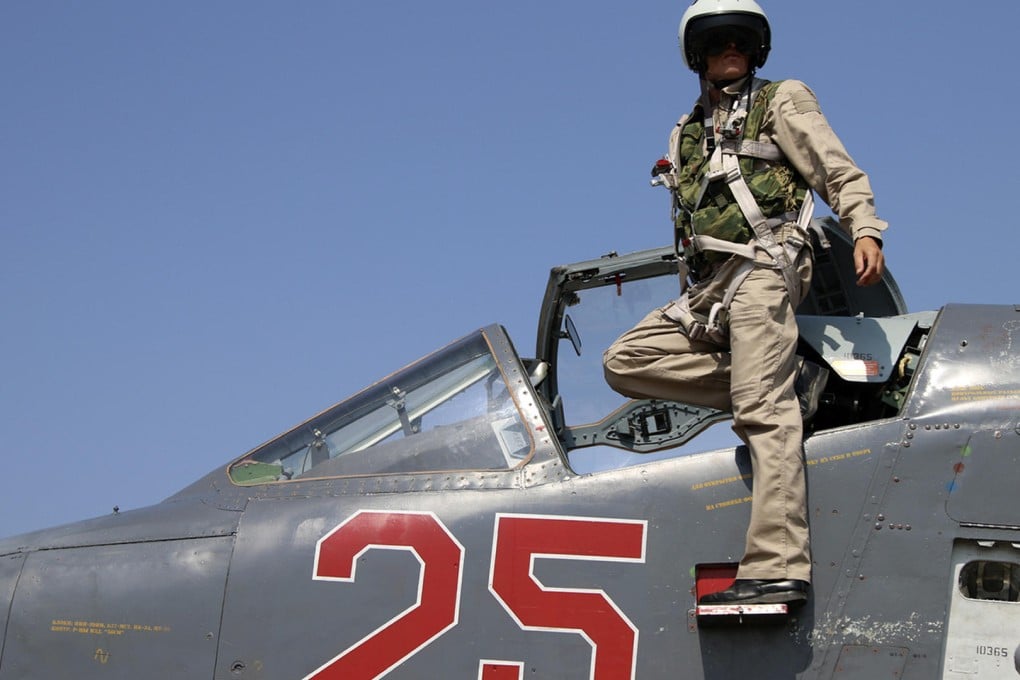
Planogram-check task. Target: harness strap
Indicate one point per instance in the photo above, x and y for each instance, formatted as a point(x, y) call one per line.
point(679, 312)
point(762, 232)
point(745, 250)
point(807, 210)
point(716, 327)
point(708, 117)
point(712, 175)
point(724, 165)
point(766, 151)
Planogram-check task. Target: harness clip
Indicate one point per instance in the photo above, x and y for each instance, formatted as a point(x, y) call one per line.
point(726, 174)
point(733, 129)
point(716, 175)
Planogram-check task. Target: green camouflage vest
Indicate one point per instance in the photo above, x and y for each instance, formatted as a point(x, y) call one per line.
point(776, 186)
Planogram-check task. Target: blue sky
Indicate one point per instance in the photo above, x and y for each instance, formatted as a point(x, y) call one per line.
point(217, 219)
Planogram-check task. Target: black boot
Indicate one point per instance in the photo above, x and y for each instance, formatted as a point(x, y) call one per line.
point(760, 591)
point(810, 382)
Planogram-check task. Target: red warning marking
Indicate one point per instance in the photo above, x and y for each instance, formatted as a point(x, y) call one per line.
point(501, 670)
point(857, 367)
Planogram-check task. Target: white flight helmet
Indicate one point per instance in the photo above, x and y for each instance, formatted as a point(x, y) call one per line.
point(704, 15)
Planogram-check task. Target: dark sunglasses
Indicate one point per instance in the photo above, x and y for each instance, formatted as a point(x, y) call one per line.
point(715, 42)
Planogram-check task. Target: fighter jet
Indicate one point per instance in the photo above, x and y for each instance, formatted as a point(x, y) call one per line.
point(486, 515)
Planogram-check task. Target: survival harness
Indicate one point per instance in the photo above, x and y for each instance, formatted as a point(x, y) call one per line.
point(726, 203)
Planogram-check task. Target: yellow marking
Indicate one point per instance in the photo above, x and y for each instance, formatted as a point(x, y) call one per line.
point(981, 393)
point(840, 456)
point(102, 628)
point(720, 482)
point(101, 655)
point(728, 504)
point(739, 478)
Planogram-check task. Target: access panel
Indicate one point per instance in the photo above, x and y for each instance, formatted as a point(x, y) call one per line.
point(131, 611)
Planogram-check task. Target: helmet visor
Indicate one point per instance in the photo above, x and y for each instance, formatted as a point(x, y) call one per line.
point(715, 41)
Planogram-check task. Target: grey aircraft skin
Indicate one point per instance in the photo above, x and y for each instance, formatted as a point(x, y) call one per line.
point(479, 515)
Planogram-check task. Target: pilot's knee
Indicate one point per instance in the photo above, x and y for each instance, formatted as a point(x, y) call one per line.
point(622, 381)
point(610, 365)
point(610, 373)
point(616, 366)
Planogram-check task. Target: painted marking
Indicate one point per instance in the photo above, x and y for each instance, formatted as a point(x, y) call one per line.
point(728, 504)
point(747, 499)
point(81, 627)
point(839, 457)
point(982, 393)
point(500, 670)
point(520, 540)
point(742, 609)
point(855, 368)
point(437, 608)
point(720, 482)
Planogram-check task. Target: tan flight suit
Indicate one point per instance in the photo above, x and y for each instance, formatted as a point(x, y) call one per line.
point(754, 376)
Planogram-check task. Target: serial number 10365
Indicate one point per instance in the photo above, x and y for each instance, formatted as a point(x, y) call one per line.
point(985, 650)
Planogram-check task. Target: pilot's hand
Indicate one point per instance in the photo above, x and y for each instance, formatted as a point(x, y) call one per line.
point(869, 262)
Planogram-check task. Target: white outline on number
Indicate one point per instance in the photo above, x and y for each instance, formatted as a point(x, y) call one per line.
point(421, 583)
point(497, 662)
point(558, 556)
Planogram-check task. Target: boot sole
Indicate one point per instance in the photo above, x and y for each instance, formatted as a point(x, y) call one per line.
point(791, 597)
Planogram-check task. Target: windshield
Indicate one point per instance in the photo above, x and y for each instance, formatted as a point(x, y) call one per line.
point(449, 411)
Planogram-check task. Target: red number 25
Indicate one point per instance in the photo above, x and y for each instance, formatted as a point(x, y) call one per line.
point(518, 541)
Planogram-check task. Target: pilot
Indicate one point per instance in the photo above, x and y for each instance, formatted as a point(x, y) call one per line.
point(741, 169)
